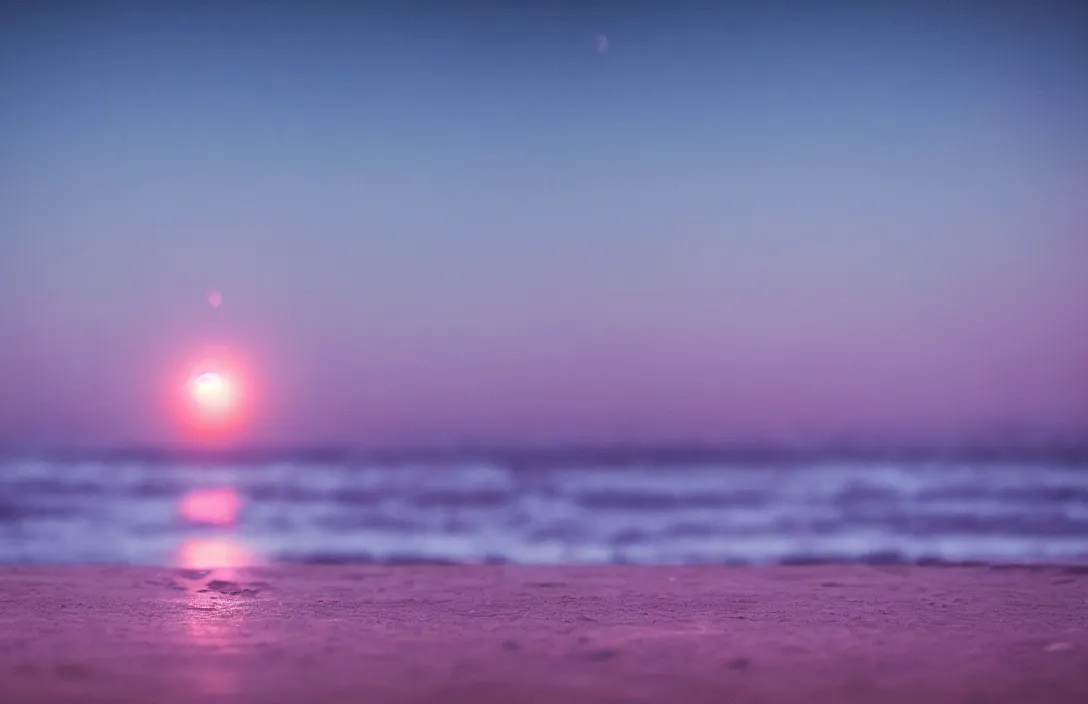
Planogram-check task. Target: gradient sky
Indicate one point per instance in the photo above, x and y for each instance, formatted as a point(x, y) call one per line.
point(438, 225)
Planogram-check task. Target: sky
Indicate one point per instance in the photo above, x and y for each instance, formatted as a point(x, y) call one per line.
point(567, 222)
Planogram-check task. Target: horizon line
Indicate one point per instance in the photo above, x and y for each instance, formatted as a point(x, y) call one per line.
point(1047, 449)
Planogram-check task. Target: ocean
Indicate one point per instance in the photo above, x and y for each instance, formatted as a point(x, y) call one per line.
point(573, 510)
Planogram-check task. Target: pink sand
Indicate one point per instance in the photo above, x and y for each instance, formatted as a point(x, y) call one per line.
point(545, 634)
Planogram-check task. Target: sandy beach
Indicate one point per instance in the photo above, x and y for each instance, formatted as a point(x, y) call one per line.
point(544, 634)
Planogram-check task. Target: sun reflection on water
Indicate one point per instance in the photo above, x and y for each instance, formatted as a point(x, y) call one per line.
point(218, 506)
point(218, 601)
point(223, 553)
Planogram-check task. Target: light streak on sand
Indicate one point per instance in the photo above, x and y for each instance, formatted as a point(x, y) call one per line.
point(215, 608)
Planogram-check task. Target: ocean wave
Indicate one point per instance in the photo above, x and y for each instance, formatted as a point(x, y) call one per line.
point(472, 512)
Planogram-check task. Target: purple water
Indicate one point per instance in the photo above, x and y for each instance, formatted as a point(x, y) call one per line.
point(162, 512)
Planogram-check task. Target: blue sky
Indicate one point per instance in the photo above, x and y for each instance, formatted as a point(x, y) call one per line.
point(471, 225)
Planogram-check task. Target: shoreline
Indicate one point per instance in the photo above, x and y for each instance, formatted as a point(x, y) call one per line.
point(508, 633)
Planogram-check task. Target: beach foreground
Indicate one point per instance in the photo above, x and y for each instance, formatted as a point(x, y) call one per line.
point(545, 634)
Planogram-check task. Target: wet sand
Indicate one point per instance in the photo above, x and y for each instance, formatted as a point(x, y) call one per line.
point(545, 634)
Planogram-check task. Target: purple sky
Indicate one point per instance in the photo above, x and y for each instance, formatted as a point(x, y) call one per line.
point(477, 226)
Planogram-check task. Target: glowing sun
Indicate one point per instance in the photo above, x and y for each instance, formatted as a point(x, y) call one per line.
point(212, 391)
point(211, 397)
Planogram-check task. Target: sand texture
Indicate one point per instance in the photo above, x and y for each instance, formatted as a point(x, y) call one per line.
point(544, 634)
